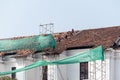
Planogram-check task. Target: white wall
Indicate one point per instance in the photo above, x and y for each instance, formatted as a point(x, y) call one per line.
point(66, 72)
point(20, 63)
point(61, 72)
point(100, 70)
point(71, 71)
point(35, 73)
point(32, 74)
point(62, 69)
point(2, 66)
point(12, 62)
point(115, 65)
point(110, 66)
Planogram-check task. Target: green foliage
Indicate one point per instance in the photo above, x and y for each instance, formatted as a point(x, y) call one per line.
point(5, 78)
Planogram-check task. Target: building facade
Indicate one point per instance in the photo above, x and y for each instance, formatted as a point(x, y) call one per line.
point(74, 43)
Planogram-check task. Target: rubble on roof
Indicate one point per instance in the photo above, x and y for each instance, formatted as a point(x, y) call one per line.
point(102, 36)
point(91, 37)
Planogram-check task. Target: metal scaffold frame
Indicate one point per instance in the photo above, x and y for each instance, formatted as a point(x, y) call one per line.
point(50, 74)
point(52, 69)
point(98, 70)
point(46, 28)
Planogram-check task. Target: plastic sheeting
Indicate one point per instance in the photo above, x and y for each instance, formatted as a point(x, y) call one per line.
point(36, 43)
point(90, 55)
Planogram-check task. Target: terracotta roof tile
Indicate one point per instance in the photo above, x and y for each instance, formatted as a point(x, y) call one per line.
point(96, 37)
point(102, 36)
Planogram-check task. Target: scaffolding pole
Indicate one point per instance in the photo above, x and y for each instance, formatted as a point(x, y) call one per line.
point(97, 70)
point(46, 28)
point(52, 74)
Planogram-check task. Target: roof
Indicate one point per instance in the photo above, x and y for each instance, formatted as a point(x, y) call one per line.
point(91, 37)
point(73, 39)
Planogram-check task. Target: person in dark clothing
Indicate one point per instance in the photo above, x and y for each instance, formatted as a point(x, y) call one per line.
point(66, 36)
point(59, 39)
point(72, 30)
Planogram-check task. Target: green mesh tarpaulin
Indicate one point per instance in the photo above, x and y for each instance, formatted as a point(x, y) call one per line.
point(90, 55)
point(36, 42)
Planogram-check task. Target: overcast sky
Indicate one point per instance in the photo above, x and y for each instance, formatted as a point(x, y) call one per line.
point(23, 17)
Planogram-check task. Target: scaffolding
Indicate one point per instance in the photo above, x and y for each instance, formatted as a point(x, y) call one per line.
point(98, 70)
point(46, 28)
point(52, 69)
point(47, 72)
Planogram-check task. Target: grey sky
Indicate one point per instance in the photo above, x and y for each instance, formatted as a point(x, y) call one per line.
point(22, 17)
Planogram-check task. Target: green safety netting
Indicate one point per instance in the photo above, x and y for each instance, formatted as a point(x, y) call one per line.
point(90, 55)
point(38, 43)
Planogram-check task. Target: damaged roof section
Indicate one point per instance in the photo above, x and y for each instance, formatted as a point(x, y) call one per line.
point(24, 46)
point(107, 37)
point(92, 37)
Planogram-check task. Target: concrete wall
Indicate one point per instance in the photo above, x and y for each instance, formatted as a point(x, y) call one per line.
point(117, 69)
point(2, 66)
point(20, 63)
point(62, 69)
point(12, 62)
point(32, 74)
point(59, 72)
point(35, 73)
point(71, 71)
point(99, 69)
point(65, 72)
point(115, 65)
